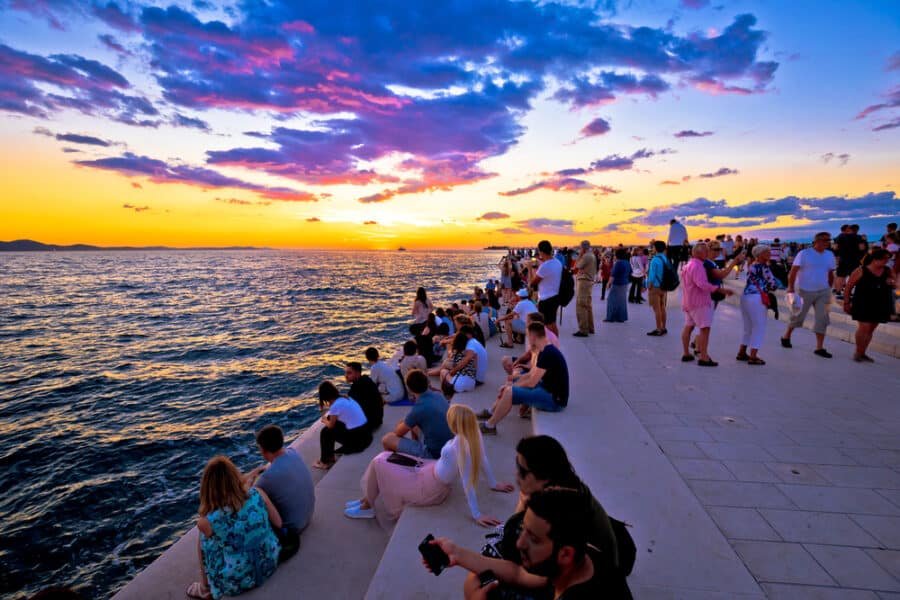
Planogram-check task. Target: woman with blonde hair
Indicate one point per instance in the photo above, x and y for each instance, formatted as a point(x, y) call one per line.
point(238, 548)
point(428, 482)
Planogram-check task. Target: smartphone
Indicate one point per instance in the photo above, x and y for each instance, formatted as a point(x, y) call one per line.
point(485, 578)
point(436, 558)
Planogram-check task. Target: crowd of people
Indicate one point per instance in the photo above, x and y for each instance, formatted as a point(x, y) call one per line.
point(560, 541)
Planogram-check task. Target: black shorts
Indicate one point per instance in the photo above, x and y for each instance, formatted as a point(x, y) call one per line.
point(548, 308)
point(846, 267)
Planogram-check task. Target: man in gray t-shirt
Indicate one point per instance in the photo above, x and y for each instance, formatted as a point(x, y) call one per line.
point(427, 421)
point(287, 480)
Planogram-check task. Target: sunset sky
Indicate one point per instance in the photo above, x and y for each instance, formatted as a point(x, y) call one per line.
point(375, 124)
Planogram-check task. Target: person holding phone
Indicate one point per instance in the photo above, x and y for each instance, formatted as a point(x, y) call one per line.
point(429, 483)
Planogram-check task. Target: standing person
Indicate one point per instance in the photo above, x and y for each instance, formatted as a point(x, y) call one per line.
point(813, 275)
point(547, 280)
point(778, 262)
point(586, 271)
point(755, 304)
point(238, 549)
point(616, 305)
point(287, 482)
point(429, 484)
point(606, 264)
point(421, 308)
point(658, 296)
point(426, 421)
point(637, 277)
point(677, 240)
point(390, 386)
point(848, 257)
point(869, 299)
point(697, 304)
point(344, 423)
point(506, 279)
point(515, 318)
point(365, 392)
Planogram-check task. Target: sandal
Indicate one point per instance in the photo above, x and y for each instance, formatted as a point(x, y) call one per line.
point(755, 361)
point(321, 465)
point(484, 415)
point(687, 358)
point(743, 357)
point(197, 590)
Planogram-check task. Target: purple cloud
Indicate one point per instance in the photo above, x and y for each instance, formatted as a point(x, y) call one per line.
point(596, 127)
point(510, 230)
point(695, 4)
point(157, 171)
point(562, 184)
point(74, 138)
point(889, 125)
point(180, 120)
point(493, 216)
point(720, 173)
point(113, 44)
point(594, 92)
point(841, 159)
point(690, 133)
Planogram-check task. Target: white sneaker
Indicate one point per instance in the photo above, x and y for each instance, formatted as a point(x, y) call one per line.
point(360, 513)
point(353, 504)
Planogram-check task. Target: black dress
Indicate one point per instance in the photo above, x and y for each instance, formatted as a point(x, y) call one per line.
point(872, 298)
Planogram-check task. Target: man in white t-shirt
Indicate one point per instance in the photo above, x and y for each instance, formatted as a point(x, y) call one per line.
point(678, 237)
point(516, 318)
point(547, 280)
point(385, 377)
point(812, 276)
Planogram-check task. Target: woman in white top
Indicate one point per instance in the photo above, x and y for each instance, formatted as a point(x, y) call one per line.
point(428, 483)
point(637, 276)
point(421, 308)
point(344, 423)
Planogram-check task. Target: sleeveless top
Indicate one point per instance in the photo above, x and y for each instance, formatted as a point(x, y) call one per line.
point(872, 298)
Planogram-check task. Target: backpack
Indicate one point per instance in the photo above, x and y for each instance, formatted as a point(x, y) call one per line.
point(670, 279)
point(624, 545)
point(566, 287)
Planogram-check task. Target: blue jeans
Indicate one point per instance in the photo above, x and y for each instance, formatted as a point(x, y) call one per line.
point(536, 397)
point(413, 448)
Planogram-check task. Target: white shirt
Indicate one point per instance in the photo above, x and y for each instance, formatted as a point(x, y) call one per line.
point(637, 266)
point(480, 351)
point(677, 234)
point(550, 273)
point(524, 307)
point(447, 468)
point(814, 268)
point(348, 412)
point(484, 321)
point(728, 247)
point(387, 380)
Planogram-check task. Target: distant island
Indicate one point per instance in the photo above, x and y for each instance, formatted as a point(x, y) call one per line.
point(33, 246)
point(497, 248)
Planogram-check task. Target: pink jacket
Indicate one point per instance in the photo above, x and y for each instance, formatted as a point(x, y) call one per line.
point(696, 288)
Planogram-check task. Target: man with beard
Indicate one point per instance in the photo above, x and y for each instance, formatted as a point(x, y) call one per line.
point(555, 559)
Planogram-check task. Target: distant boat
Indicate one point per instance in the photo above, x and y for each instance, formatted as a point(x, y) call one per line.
point(401, 249)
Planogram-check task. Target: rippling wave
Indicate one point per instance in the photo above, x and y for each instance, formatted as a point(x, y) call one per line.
point(122, 373)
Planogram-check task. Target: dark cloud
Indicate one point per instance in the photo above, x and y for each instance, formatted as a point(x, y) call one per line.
point(888, 125)
point(493, 216)
point(893, 62)
point(720, 173)
point(113, 44)
point(137, 209)
point(690, 133)
point(840, 159)
point(596, 127)
point(74, 138)
point(891, 103)
point(510, 230)
point(695, 4)
point(721, 213)
point(160, 172)
point(180, 120)
point(604, 88)
point(563, 184)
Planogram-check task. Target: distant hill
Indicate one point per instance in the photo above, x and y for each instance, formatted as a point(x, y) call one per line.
point(33, 246)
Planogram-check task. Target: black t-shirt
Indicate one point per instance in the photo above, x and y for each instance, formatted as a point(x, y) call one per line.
point(848, 247)
point(365, 392)
point(604, 585)
point(556, 377)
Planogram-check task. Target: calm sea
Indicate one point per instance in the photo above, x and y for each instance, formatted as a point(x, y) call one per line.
point(122, 373)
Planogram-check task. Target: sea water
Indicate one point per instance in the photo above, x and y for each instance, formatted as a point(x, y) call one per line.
point(122, 373)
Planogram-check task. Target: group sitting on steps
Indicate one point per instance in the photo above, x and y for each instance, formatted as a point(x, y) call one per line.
point(560, 543)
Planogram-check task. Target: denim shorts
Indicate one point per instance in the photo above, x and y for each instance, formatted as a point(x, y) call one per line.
point(536, 397)
point(413, 448)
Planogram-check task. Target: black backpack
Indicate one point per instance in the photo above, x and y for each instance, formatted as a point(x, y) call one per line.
point(566, 287)
point(670, 280)
point(624, 545)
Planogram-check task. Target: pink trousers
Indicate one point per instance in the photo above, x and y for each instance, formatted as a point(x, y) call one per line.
point(398, 486)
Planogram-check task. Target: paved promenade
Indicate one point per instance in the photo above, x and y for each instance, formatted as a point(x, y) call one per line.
point(797, 462)
point(780, 481)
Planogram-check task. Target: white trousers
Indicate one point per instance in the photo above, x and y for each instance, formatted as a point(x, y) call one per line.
point(755, 314)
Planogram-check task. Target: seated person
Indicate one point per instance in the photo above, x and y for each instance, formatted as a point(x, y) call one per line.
point(545, 386)
point(515, 318)
point(426, 421)
point(480, 352)
point(459, 375)
point(443, 317)
point(365, 392)
point(400, 486)
point(345, 423)
point(286, 480)
point(556, 560)
point(410, 360)
point(238, 549)
point(390, 386)
point(517, 365)
point(482, 318)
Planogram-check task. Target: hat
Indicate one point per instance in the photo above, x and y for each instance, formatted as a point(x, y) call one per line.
point(523, 293)
point(585, 244)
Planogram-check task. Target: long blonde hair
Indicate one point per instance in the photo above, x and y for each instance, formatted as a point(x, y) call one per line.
point(221, 486)
point(464, 425)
